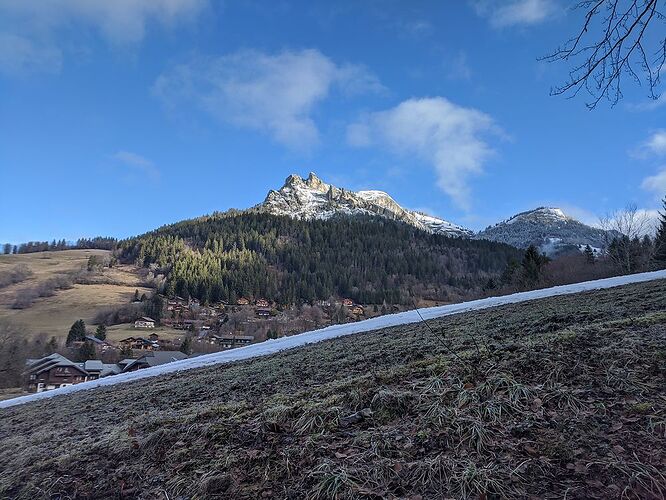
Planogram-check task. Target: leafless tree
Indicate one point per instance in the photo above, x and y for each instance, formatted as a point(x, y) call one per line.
point(624, 230)
point(618, 38)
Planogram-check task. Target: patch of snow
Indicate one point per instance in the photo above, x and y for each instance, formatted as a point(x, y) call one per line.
point(331, 332)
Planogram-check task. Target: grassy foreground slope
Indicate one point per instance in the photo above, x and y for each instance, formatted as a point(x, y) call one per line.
point(559, 397)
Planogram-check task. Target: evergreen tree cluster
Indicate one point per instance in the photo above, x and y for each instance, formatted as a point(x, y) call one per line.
point(368, 259)
point(98, 243)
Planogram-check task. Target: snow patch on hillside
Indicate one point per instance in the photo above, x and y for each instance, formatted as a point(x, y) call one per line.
point(335, 331)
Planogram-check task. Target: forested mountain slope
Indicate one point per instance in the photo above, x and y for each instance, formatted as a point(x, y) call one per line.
point(369, 259)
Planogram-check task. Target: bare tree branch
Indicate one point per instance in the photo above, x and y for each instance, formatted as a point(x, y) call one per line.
point(610, 46)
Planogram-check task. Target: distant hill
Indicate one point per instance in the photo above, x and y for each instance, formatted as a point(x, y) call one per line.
point(548, 228)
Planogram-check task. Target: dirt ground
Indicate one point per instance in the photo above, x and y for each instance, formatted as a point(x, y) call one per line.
point(559, 398)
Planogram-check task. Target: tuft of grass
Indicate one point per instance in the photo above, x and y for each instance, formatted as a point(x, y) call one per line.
point(331, 481)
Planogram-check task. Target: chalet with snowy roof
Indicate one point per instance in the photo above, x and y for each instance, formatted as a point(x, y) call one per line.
point(144, 322)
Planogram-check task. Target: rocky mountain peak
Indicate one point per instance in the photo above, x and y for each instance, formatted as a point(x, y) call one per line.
point(312, 198)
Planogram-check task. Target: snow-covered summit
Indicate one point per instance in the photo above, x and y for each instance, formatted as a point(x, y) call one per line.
point(549, 215)
point(548, 228)
point(313, 198)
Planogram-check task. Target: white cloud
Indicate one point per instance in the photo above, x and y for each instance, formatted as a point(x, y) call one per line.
point(21, 56)
point(32, 28)
point(656, 184)
point(449, 137)
point(274, 94)
point(649, 105)
point(656, 143)
point(506, 13)
point(138, 163)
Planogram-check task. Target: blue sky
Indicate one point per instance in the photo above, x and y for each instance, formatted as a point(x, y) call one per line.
point(118, 117)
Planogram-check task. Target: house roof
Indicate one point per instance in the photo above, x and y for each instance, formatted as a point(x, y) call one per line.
point(93, 364)
point(236, 337)
point(52, 361)
point(94, 339)
point(146, 318)
point(156, 358)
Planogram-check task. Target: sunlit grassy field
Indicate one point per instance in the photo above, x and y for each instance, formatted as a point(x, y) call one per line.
point(54, 315)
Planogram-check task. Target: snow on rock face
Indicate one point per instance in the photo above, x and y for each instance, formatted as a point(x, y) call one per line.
point(312, 198)
point(548, 228)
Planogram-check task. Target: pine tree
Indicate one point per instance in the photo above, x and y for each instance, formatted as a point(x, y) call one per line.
point(136, 296)
point(77, 332)
point(532, 265)
point(87, 351)
point(100, 333)
point(660, 240)
point(186, 346)
point(589, 254)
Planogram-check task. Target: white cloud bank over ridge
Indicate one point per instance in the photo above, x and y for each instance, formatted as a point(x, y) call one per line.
point(506, 13)
point(271, 93)
point(451, 138)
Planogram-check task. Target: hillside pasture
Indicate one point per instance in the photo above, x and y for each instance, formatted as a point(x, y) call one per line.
point(55, 314)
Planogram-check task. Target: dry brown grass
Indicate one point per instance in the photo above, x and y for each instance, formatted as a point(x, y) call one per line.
point(567, 399)
point(54, 315)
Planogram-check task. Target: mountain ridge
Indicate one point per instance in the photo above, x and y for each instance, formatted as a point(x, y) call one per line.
point(549, 228)
point(312, 198)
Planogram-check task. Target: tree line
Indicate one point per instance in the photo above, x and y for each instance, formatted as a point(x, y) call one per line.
point(368, 259)
point(98, 243)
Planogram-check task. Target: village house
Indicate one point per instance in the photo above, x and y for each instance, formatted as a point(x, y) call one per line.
point(139, 343)
point(96, 369)
point(144, 322)
point(101, 346)
point(262, 303)
point(347, 302)
point(263, 312)
point(52, 372)
point(232, 341)
point(242, 301)
point(55, 371)
point(153, 359)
